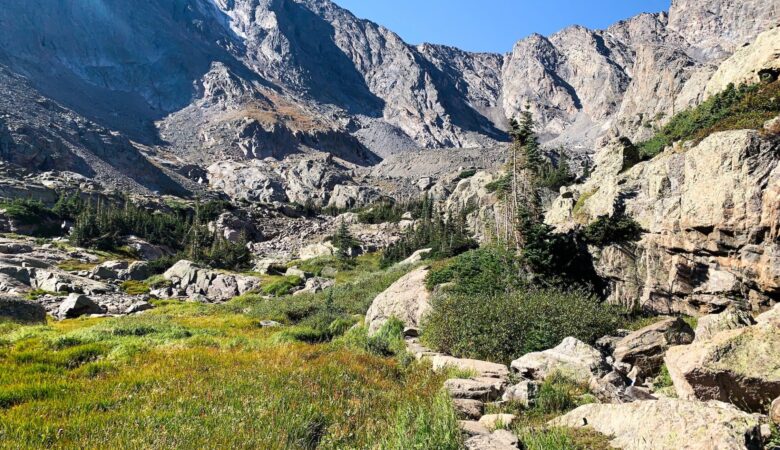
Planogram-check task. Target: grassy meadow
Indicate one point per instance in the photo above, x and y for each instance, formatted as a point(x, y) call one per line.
point(187, 375)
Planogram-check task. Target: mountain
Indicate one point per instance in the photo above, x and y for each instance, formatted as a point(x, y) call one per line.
point(168, 85)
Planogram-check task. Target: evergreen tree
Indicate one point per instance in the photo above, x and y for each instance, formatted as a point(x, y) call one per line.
point(344, 241)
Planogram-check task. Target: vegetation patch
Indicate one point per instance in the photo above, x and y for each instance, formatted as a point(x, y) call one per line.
point(610, 230)
point(486, 271)
point(504, 327)
point(736, 108)
point(133, 287)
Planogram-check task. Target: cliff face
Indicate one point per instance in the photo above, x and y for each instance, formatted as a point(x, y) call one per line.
point(711, 214)
point(256, 74)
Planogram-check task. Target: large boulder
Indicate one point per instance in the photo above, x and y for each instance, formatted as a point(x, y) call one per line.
point(740, 366)
point(189, 279)
point(731, 319)
point(774, 411)
point(644, 349)
point(77, 305)
point(572, 358)
point(480, 368)
point(669, 424)
point(407, 300)
point(19, 310)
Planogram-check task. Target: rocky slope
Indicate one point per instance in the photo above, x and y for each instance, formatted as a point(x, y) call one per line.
point(190, 83)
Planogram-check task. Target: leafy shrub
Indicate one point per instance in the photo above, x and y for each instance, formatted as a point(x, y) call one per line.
point(743, 107)
point(282, 286)
point(615, 229)
point(501, 186)
point(504, 327)
point(486, 271)
point(468, 173)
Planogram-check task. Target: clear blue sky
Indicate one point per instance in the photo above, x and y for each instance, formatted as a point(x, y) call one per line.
point(492, 25)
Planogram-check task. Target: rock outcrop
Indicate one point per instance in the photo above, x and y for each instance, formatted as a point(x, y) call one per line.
point(572, 358)
point(669, 424)
point(18, 310)
point(740, 366)
point(710, 215)
point(407, 300)
point(190, 280)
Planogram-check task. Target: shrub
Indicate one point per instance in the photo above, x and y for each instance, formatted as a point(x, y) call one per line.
point(501, 186)
point(615, 229)
point(282, 286)
point(468, 173)
point(487, 271)
point(743, 107)
point(502, 328)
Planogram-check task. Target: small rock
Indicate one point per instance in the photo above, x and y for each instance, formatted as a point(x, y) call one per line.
point(498, 440)
point(270, 324)
point(296, 272)
point(523, 393)
point(468, 409)
point(472, 428)
point(139, 307)
point(496, 421)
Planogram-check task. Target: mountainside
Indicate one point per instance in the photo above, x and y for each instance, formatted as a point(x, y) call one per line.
point(200, 81)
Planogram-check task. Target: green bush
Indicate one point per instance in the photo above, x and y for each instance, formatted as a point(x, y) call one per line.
point(468, 173)
point(743, 107)
point(282, 286)
point(502, 328)
point(615, 229)
point(486, 271)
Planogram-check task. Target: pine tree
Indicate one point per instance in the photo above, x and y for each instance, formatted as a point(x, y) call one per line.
point(344, 241)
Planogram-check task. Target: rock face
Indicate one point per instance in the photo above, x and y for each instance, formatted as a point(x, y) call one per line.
point(189, 279)
point(712, 324)
point(741, 366)
point(710, 215)
point(669, 424)
point(749, 65)
point(644, 349)
point(407, 300)
point(572, 357)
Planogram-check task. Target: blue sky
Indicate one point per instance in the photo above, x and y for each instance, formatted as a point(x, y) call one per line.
point(492, 25)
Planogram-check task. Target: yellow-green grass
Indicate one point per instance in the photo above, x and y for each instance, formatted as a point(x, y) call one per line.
point(199, 376)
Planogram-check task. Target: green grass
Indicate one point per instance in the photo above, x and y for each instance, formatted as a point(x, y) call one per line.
point(133, 287)
point(281, 286)
point(35, 294)
point(189, 375)
point(736, 108)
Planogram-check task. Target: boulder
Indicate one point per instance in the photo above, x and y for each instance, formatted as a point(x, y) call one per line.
point(611, 388)
point(498, 440)
point(139, 307)
point(315, 285)
point(494, 421)
point(146, 250)
point(774, 411)
point(468, 409)
point(77, 305)
point(483, 390)
point(730, 319)
point(480, 368)
point(523, 393)
point(668, 424)
point(19, 310)
point(472, 428)
point(138, 271)
point(572, 358)
point(771, 317)
point(416, 257)
point(108, 270)
point(208, 285)
point(740, 366)
point(644, 349)
point(407, 300)
point(318, 250)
